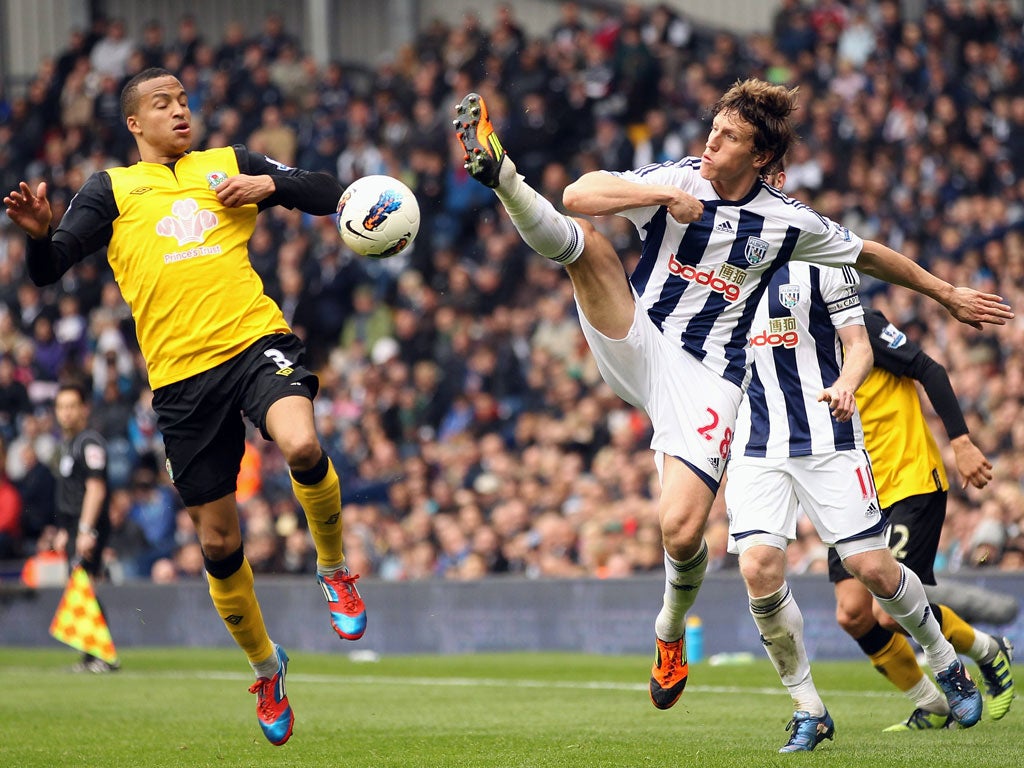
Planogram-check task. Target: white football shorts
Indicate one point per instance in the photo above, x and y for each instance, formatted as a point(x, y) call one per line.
point(763, 498)
point(692, 409)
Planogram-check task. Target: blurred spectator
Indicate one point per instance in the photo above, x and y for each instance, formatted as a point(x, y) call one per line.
point(142, 430)
point(37, 488)
point(10, 512)
point(14, 400)
point(152, 47)
point(110, 54)
point(126, 551)
point(154, 510)
point(659, 143)
point(182, 51)
point(274, 137)
point(369, 322)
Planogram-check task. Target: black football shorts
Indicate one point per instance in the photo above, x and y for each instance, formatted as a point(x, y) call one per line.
point(201, 417)
point(915, 524)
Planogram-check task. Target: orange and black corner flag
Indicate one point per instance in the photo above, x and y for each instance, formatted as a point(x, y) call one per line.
point(79, 622)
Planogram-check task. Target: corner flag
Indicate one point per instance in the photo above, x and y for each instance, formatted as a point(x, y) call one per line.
point(78, 621)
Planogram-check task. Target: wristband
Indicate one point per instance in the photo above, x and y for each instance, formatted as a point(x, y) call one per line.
point(87, 531)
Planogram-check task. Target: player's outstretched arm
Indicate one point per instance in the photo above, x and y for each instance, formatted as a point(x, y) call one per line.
point(599, 193)
point(965, 304)
point(971, 463)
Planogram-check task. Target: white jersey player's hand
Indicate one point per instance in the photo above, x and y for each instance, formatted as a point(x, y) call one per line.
point(843, 403)
point(685, 208)
point(975, 307)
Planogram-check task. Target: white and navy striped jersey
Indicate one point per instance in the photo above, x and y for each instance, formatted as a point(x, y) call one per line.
point(700, 283)
point(797, 353)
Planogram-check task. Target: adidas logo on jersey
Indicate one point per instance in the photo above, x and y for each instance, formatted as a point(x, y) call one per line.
point(725, 226)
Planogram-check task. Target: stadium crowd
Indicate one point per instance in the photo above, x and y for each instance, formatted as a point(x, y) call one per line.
point(458, 399)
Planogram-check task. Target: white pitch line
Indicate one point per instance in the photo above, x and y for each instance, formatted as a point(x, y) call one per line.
point(466, 682)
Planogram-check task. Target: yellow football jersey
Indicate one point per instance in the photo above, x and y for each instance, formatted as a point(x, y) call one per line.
point(905, 459)
point(181, 260)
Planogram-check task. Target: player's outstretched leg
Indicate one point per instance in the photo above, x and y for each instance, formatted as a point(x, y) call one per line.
point(808, 731)
point(997, 676)
point(484, 153)
point(272, 707)
point(348, 612)
point(545, 229)
point(909, 606)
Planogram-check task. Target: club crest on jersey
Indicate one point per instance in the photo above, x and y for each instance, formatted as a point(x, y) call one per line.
point(755, 250)
point(789, 295)
point(215, 179)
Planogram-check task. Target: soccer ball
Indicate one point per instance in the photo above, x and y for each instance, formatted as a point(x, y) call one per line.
point(378, 216)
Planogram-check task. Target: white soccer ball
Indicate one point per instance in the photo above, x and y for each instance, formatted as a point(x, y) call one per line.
point(378, 216)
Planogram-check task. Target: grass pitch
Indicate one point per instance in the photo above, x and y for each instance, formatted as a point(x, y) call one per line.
point(190, 707)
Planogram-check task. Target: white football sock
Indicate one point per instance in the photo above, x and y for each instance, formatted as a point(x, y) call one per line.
point(984, 648)
point(682, 582)
point(268, 667)
point(927, 696)
point(550, 233)
point(909, 606)
point(781, 624)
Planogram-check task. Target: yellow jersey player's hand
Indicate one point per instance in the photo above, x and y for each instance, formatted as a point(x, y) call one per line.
point(974, 468)
point(236, 191)
point(30, 211)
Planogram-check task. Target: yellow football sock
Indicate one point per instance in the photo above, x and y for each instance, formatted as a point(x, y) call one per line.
point(896, 660)
point(322, 505)
point(959, 633)
point(235, 601)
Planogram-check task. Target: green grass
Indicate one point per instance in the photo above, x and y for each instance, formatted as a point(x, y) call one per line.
point(188, 707)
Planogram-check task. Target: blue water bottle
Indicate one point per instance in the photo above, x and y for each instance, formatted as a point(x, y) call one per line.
point(694, 640)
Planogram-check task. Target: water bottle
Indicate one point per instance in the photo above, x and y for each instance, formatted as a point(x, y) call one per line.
point(694, 639)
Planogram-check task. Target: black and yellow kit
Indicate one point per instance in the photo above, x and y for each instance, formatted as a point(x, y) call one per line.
point(179, 256)
point(906, 462)
point(905, 459)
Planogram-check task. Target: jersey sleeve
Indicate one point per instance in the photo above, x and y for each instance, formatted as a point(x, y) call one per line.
point(823, 241)
point(86, 227)
point(680, 174)
point(312, 192)
point(92, 453)
point(900, 356)
point(839, 289)
point(894, 352)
